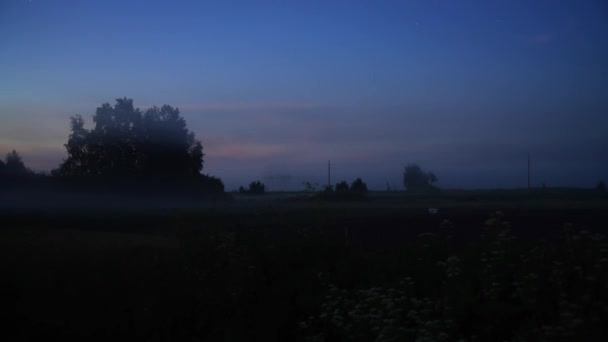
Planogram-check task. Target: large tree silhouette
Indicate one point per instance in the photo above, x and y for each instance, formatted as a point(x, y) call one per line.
point(127, 142)
point(167, 147)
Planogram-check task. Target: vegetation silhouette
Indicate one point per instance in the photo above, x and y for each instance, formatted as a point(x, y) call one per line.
point(13, 165)
point(128, 151)
point(342, 191)
point(417, 180)
point(135, 151)
point(309, 187)
point(255, 188)
point(127, 142)
point(286, 274)
point(14, 173)
point(342, 187)
point(358, 186)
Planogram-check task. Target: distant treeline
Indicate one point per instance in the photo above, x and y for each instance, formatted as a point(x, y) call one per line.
point(130, 150)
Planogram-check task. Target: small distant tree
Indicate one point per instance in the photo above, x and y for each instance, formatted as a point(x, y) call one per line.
point(13, 165)
point(255, 187)
point(415, 179)
point(342, 191)
point(309, 187)
point(342, 187)
point(328, 189)
point(1, 167)
point(211, 184)
point(359, 186)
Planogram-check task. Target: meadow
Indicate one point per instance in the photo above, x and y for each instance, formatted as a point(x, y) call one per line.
point(508, 266)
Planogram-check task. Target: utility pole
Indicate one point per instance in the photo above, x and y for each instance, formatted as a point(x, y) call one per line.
point(528, 170)
point(328, 173)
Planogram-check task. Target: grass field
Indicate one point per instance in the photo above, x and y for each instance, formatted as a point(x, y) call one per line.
point(278, 268)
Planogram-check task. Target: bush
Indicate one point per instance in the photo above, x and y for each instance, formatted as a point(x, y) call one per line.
point(211, 184)
point(359, 186)
point(255, 188)
point(342, 187)
point(415, 179)
point(343, 192)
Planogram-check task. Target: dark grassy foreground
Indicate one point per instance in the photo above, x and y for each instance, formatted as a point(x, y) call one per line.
point(310, 272)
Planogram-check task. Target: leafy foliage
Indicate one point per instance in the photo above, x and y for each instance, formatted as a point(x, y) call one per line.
point(342, 191)
point(415, 179)
point(211, 184)
point(13, 166)
point(255, 187)
point(127, 142)
point(342, 187)
point(309, 187)
point(358, 186)
point(328, 189)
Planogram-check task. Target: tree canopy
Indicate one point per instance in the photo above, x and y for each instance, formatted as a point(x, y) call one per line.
point(359, 186)
point(415, 179)
point(255, 187)
point(342, 191)
point(342, 187)
point(128, 142)
point(13, 165)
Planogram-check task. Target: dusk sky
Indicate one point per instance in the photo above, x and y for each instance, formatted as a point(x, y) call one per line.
point(463, 88)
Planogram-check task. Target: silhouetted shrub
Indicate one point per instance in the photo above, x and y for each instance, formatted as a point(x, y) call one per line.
point(211, 184)
point(414, 179)
point(359, 186)
point(13, 165)
point(342, 187)
point(255, 188)
point(14, 173)
point(309, 187)
point(342, 191)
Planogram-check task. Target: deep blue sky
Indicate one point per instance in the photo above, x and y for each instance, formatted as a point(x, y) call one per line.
point(464, 88)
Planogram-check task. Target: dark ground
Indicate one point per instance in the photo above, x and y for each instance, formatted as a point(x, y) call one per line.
point(253, 268)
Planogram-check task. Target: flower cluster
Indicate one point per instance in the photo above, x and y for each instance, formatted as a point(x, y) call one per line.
point(498, 286)
point(381, 314)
